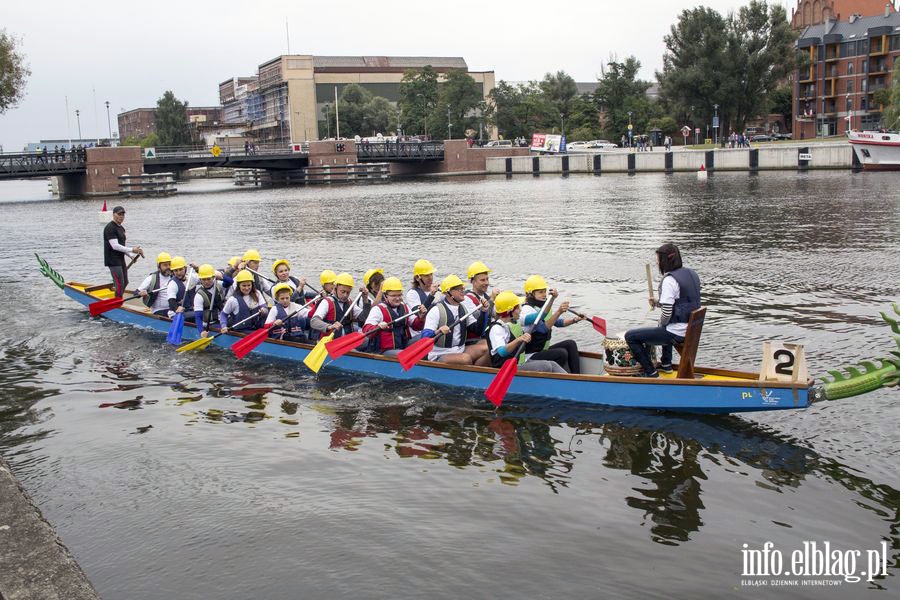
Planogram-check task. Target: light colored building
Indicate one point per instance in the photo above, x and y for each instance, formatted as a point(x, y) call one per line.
point(284, 101)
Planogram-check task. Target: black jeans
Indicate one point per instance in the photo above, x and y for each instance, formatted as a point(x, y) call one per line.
point(120, 279)
point(641, 338)
point(564, 353)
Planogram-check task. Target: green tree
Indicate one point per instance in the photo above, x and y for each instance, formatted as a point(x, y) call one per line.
point(172, 121)
point(735, 62)
point(520, 110)
point(560, 91)
point(418, 98)
point(380, 116)
point(352, 110)
point(619, 91)
point(781, 102)
point(667, 125)
point(891, 115)
point(150, 140)
point(584, 122)
point(460, 98)
point(14, 72)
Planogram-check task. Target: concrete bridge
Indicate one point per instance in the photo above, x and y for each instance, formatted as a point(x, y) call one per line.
point(96, 171)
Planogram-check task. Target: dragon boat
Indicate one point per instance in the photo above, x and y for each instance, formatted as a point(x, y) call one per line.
point(704, 390)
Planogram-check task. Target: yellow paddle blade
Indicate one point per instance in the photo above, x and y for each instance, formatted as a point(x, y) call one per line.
point(198, 344)
point(316, 357)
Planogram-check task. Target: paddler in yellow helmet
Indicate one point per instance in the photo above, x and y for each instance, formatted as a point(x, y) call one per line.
point(245, 301)
point(505, 336)
point(326, 279)
point(281, 269)
point(423, 290)
point(564, 353)
point(394, 337)
point(329, 315)
point(371, 293)
point(209, 299)
point(157, 301)
point(251, 260)
point(478, 295)
point(451, 348)
point(289, 320)
point(181, 288)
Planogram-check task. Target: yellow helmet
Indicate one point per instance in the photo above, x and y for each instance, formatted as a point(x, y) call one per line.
point(369, 274)
point(243, 276)
point(281, 287)
point(327, 276)
point(178, 262)
point(423, 267)
point(163, 257)
point(535, 282)
point(506, 301)
point(450, 282)
point(475, 268)
point(281, 261)
point(206, 271)
point(344, 279)
point(233, 261)
point(252, 255)
point(391, 284)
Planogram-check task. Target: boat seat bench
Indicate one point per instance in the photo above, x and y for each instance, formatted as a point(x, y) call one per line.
point(688, 348)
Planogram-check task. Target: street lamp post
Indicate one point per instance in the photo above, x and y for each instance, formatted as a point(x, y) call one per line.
point(696, 141)
point(78, 119)
point(424, 113)
point(716, 124)
point(449, 134)
point(630, 130)
point(108, 122)
point(849, 115)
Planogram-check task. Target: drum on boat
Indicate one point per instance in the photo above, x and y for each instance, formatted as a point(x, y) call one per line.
point(619, 359)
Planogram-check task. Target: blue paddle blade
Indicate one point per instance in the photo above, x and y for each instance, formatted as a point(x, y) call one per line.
point(175, 329)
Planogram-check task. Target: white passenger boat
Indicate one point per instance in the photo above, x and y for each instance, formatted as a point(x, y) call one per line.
point(877, 150)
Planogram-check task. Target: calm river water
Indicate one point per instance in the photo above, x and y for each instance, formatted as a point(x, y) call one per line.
point(212, 478)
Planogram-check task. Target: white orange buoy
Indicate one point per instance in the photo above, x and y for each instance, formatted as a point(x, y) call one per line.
point(702, 174)
point(104, 216)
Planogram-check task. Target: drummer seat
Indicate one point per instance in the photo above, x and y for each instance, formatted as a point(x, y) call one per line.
point(688, 348)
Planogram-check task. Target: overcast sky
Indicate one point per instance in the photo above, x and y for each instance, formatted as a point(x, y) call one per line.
point(129, 53)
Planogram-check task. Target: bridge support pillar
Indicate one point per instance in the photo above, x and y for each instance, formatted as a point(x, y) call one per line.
point(103, 166)
point(342, 152)
point(70, 185)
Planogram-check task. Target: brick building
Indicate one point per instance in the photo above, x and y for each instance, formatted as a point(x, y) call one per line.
point(140, 122)
point(816, 12)
point(849, 61)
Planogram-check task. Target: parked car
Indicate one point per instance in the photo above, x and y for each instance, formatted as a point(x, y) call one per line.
point(499, 143)
point(761, 138)
point(784, 136)
point(576, 145)
point(601, 144)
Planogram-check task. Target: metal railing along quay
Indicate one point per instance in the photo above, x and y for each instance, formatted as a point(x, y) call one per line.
point(225, 151)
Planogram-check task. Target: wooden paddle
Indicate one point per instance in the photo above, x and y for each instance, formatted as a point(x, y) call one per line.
point(203, 342)
point(245, 345)
point(344, 344)
point(133, 260)
point(420, 349)
point(102, 306)
point(650, 284)
point(500, 385)
point(316, 357)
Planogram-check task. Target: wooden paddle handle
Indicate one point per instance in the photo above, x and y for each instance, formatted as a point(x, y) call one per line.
point(133, 260)
point(649, 281)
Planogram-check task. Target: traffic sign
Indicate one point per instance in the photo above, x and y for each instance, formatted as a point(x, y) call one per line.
point(685, 131)
point(149, 152)
point(630, 127)
point(215, 151)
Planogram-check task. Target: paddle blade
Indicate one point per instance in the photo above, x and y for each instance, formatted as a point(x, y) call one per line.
point(101, 306)
point(497, 390)
point(344, 344)
point(245, 346)
point(415, 352)
point(599, 324)
point(197, 344)
point(316, 357)
point(175, 329)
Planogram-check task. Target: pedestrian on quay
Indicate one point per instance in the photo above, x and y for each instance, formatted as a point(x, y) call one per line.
point(115, 250)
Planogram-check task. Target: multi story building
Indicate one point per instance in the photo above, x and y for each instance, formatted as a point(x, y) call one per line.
point(816, 12)
point(284, 101)
point(848, 62)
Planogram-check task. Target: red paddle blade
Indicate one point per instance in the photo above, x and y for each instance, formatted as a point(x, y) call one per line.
point(344, 344)
point(599, 324)
point(101, 306)
point(414, 353)
point(245, 346)
point(497, 390)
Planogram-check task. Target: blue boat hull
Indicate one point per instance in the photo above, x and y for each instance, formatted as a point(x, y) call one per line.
point(697, 396)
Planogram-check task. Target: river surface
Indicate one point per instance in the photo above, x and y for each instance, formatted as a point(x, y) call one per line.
point(195, 476)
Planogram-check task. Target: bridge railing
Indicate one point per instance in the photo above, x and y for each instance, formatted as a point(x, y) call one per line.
point(402, 150)
point(201, 151)
point(26, 163)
